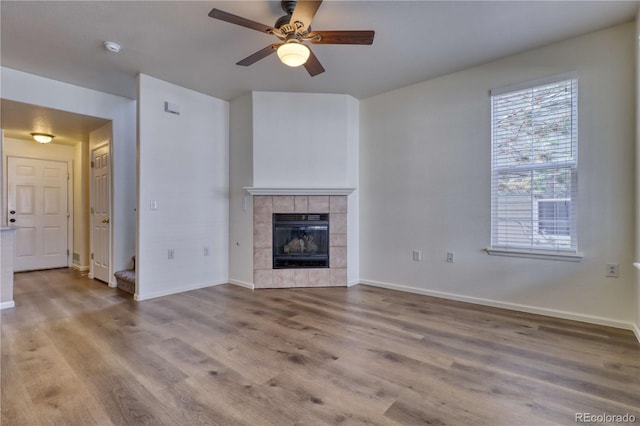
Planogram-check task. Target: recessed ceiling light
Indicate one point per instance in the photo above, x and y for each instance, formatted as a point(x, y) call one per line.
point(111, 46)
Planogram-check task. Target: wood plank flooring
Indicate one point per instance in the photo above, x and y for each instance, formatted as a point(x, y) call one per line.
point(77, 352)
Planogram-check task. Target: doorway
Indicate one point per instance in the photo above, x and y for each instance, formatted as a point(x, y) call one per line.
point(101, 212)
point(38, 204)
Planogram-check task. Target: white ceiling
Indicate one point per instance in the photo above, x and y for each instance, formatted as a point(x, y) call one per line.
point(19, 120)
point(177, 42)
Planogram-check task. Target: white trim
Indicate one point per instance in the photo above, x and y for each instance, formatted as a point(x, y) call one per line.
point(298, 191)
point(242, 284)
point(636, 331)
point(352, 283)
point(549, 255)
point(572, 75)
point(139, 298)
point(7, 305)
point(508, 305)
point(80, 268)
point(637, 265)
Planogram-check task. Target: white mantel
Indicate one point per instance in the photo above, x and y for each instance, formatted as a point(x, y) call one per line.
point(253, 190)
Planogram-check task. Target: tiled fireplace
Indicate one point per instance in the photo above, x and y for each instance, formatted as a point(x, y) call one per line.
point(264, 206)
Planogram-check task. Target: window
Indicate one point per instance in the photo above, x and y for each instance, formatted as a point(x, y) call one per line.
point(534, 166)
point(553, 217)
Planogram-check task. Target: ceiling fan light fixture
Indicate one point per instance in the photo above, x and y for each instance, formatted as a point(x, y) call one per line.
point(293, 53)
point(42, 137)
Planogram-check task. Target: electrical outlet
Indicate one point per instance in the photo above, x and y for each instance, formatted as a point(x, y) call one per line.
point(206, 251)
point(612, 270)
point(450, 257)
point(170, 254)
point(417, 255)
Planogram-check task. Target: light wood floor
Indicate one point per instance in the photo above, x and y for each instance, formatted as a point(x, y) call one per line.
point(79, 353)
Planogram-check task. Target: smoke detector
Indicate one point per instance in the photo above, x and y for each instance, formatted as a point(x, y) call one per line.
point(111, 46)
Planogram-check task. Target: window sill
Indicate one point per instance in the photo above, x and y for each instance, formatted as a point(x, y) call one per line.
point(549, 255)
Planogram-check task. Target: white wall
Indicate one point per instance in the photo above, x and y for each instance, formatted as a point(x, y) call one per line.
point(301, 139)
point(28, 88)
point(81, 205)
point(425, 184)
point(637, 192)
point(291, 140)
point(183, 165)
point(240, 202)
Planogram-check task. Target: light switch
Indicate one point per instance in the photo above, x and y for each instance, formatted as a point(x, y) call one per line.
point(154, 204)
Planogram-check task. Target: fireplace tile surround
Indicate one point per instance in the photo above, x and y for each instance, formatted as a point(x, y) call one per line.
point(264, 276)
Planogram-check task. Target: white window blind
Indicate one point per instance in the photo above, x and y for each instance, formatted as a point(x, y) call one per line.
point(534, 166)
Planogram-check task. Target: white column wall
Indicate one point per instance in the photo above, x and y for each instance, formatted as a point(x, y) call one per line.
point(184, 167)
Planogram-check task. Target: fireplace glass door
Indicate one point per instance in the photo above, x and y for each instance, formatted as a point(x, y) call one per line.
point(300, 240)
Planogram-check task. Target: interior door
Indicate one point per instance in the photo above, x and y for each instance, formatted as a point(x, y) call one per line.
point(101, 210)
point(38, 205)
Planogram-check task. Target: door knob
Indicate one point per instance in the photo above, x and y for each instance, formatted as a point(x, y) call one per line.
point(12, 220)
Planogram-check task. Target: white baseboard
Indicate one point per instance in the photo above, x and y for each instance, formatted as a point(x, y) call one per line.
point(80, 268)
point(636, 331)
point(7, 305)
point(242, 284)
point(352, 283)
point(508, 305)
point(140, 297)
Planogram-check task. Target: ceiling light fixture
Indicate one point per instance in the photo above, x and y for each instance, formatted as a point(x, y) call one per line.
point(293, 53)
point(42, 137)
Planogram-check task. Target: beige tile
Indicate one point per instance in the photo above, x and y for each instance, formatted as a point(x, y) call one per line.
point(301, 204)
point(338, 223)
point(284, 278)
point(263, 278)
point(262, 208)
point(262, 258)
point(337, 240)
point(338, 257)
point(283, 204)
point(338, 204)
point(319, 277)
point(262, 235)
point(338, 276)
point(318, 203)
point(301, 277)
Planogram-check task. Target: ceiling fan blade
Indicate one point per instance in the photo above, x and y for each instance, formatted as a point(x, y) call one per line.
point(238, 20)
point(343, 37)
point(260, 54)
point(304, 13)
point(313, 65)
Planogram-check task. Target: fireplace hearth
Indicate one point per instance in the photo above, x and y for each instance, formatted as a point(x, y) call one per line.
point(300, 240)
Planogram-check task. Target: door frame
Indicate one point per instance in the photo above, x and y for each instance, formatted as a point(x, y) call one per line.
point(70, 200)
point(111, 282)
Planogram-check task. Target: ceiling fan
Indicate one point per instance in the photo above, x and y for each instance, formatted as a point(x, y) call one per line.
point(293, 30)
